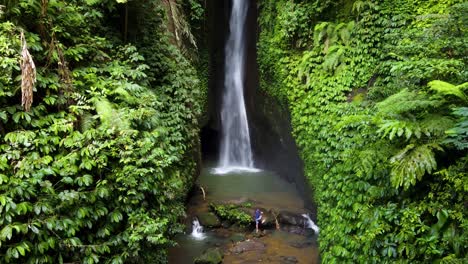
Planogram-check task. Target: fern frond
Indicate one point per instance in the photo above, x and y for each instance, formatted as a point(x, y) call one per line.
point(405, 101)
point(398, 128)
point(411, 163)
point(436, 125)
point(431, 125)
point(458, 134)
point(110, 117)
point(444, 88)
point(333, 58)
point(359, 6)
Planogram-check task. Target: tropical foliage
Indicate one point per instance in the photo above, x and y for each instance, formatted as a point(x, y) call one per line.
point(378, 96)
point(99, 130)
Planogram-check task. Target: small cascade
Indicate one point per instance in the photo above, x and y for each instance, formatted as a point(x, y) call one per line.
point(197, 230)
point(310, 224)
point(236, 151)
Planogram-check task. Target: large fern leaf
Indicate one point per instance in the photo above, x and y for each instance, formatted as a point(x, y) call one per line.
point(445, 88)
point(410, 164)
point(458, 134)
point(406, 101)
point(110, 117)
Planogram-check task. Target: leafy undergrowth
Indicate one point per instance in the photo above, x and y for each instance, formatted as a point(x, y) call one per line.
point(98, 169)
point(233, 213)
point(378, 100)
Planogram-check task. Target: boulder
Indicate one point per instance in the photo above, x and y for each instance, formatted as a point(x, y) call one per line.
point(288, 260)
point(289, 218)
point(237, 237)
point(295, 230)
point(208, 220)
point(210, 256)
point(248, 245)
point(268, 219)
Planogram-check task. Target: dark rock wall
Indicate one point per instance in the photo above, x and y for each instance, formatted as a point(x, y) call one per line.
point(270, 127)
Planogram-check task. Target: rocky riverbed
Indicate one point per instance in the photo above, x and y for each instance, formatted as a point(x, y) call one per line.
point(284, 237)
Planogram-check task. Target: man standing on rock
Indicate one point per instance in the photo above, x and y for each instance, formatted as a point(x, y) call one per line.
point(258, 217)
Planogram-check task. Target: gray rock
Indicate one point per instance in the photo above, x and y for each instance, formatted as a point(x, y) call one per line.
point(208, 220)
point(225, 224)
point(288, 260)
point(211, 256)
point(295, 230)
point(238, 237)
point(268, 219)
point(290, 218)
point(248, 245)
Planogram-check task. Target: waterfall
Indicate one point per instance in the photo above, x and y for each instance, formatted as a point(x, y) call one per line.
point(311, 224)
point(236, 152)
point(197, 230)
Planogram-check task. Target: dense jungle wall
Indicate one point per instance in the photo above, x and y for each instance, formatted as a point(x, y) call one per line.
point(100, 105)
point(378, 98)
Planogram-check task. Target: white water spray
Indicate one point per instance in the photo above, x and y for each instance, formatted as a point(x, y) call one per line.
point(311, 224)
point(197, 230)
point(236, 151)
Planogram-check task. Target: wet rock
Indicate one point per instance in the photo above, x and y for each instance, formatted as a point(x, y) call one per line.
point(238, 237)
point(225, 224)
point(239, 229)
point(268, 219)
point(248, 245)
point(290, 218)
point(288, 260)
point(260, 233)
point(295, 230)
point(301, 244)
point(208, 220)
point(211, 256)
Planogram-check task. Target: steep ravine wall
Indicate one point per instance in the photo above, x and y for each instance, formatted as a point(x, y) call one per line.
point(269, 122)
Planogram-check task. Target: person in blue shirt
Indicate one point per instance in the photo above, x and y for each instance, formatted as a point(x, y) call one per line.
point(258, 218)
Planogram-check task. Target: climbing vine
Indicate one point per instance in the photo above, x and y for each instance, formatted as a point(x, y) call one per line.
point(98, 168)
point(377, 94)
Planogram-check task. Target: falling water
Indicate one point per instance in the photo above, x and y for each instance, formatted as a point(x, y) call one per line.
point(236, 152)
point(311, 224)
point(197, 230)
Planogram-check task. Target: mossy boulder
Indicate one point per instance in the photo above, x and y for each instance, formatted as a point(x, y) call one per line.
point(237, 237)
point(209, 219)
point(233, 213)
point(210, 256)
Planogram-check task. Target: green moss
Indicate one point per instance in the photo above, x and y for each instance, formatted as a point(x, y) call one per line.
point(232, 213)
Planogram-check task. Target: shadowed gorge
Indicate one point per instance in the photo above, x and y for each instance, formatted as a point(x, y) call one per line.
point(233, 131)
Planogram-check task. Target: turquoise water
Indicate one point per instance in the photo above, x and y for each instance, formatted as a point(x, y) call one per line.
point(263, 187)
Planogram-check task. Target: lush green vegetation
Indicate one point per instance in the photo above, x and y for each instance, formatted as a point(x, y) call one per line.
point(378, 96)
point(101, 100)
point(233, 213)
point(99, 141)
